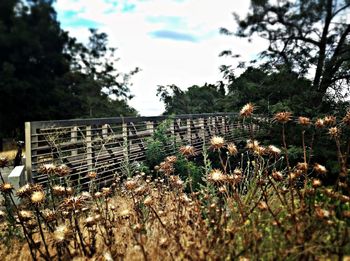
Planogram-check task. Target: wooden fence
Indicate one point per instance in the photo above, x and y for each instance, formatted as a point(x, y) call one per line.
point(105, 145)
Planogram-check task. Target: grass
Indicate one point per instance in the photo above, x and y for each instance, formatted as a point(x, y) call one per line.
point(256, 205)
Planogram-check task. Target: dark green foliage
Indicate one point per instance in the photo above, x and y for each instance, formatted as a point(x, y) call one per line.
point(45, 74)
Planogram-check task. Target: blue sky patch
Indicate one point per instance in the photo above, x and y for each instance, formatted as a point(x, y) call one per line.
point(128, 8)
point(173, 35)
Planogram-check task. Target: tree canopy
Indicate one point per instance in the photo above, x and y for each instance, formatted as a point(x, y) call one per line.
point(306, 37)
point(46, 74)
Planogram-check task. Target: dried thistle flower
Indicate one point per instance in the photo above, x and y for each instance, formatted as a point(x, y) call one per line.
point(232, 149)
point(125, 213)
point(58, 190)
point(187, 150)
point(330, 120)
point(247, 110)
point(346, 119)
point(98, 195)
point(6, 187)
point(262, 206)
point(283, 117)
point(90, 222)
point(37, 197)
point(49, 215)
point(320, 169)
point(334, 132)
point(47, 169)
point(277, 175)
point(130, 184)
point(304, 121)
point(24, 191)
point(166, 167)
point(303, 166)
point(273, 151)
point(3, 162)
point(252, 144)
point(319, 123)
point(63, 170)
point(92, 175)
point(217, 142)
point(176, 181)
point(25, 215)
point(106, 191)
point(2, 216)
point(316, 183)
point(171, 159)
point(148, 201)
point(61, 234)
point(216, 175)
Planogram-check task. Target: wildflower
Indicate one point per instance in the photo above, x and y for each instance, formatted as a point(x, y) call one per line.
point(58, 190)
point(252, 144)
point(216, 175)
point(304, 121)
point(262, 206)
point(319, 123)
point(61, 234)
point(130, 184)
point(232, 149)
point(171, 159)
point(277, 175)
point(316, 183)
point(48, 169)
point(6, 188)
point(320, 169)
point(24, 191)
point(187, 150)
point(346, 119)
point(247, 110)
point(273, 150)
point(37, 197)
point(2, 216)
point(283, 117)
point(148, 201)
point(334, 132)
point(62, 170)
point(330, 120)
point(92, 175)
point(217, 142)
point(3, 162)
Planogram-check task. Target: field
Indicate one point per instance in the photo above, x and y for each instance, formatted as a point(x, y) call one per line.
point(251, 203)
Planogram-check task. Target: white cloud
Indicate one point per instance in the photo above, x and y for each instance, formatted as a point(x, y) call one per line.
point(165, 61)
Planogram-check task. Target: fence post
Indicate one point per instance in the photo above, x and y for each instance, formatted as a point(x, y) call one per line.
point(74, 139)
point(89, 148)
point(28, 152)
point(189, 133)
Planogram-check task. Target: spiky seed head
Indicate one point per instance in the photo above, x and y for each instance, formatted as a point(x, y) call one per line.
point(61, 234)
point(277, 175)
point(216, 175)
point(319, 123)
point(25, 215)
point(303, 166)
point(187, 150)
point(90, 221)
point(171, 159)
point(283, 117)
point(330, 120)
point(346, 119)
point(304, 121)
point(3, 162)
point(148, 201)
point(92, 175)
point(2, 215)
point(24, 191)
point(334, 132)
point(37, 197)
point(6, 187)
point(63, 170)
point(58, 190)
point(131, 184)
point(217, 142)
point(273, 150)
point(316, 183)
point(106, 191)
point(232, 149)
point(47, 169)
point(49, 215)
point(320, 169)
point(247, 110)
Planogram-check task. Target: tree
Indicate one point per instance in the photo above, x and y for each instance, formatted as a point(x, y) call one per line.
point(305, 36)
point(46, 74)
point(196, 99)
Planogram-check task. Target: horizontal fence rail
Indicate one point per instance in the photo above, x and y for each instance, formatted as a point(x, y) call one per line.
point(105, 145)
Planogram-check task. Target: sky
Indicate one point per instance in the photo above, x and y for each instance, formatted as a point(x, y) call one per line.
point(171, 41)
